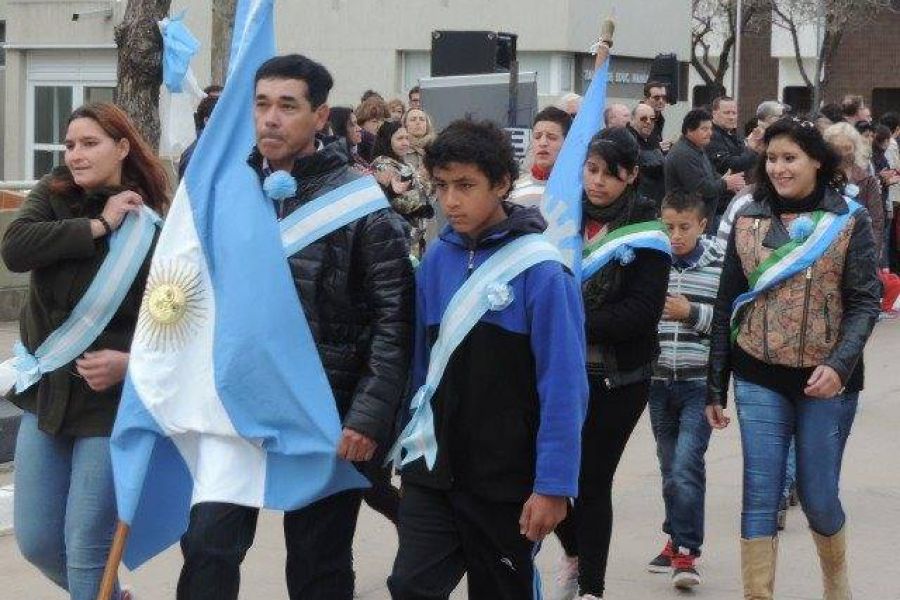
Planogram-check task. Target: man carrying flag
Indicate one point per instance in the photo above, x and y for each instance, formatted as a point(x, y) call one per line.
point(355, 285)
point(228, 407)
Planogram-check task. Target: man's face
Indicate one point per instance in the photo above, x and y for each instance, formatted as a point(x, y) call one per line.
point(286, 123)
point(644, 120)
point(726, 116)
point(619, 116)
point(701, 136)
point(657, 98)
point(415, 100)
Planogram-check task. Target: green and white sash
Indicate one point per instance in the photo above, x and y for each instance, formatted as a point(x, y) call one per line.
point(487, 288)
point(128, 248)
point(621, 244)
point(792, 258)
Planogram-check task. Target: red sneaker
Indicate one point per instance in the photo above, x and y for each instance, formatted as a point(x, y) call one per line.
point(663, 562)
point(684, 570)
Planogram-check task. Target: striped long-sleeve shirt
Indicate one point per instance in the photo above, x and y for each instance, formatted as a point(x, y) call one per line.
point(528, 191)
point(684, 346)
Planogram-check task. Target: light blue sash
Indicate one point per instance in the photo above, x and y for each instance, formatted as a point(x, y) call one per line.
point(128, 247)
point(326, 214)
point(621, 243)
point(792, 258)
point(487, 288)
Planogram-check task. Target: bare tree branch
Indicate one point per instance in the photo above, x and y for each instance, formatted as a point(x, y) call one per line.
point(835, 18)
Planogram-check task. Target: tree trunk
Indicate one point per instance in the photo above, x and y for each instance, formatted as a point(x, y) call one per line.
point(223, 13)
point(140, 64)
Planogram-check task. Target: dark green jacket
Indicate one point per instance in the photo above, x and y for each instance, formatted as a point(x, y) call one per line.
point(51, 237)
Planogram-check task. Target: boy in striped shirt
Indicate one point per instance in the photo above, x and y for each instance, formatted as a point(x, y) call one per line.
point(678, 390)
point(549, 131)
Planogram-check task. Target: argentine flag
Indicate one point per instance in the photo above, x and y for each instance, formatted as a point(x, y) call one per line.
point(561, 204)
point(226, 399)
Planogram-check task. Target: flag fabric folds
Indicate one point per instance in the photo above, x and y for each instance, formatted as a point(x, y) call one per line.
point(561, 204)
point(226, 399)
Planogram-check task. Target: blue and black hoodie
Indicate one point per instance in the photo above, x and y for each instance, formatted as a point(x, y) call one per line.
point(510, 407)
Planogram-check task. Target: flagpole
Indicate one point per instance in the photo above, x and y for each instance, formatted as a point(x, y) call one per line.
point(736, 72)
point(111, 573)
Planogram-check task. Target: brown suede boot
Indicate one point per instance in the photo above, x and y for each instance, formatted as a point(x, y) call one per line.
point(758, 567)
point(833, 559)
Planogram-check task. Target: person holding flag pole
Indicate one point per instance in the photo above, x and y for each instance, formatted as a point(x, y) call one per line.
point(273, 342)
point(493, 289)
point(616, 245)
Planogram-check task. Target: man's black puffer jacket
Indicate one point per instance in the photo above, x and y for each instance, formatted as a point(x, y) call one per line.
point(356, 286)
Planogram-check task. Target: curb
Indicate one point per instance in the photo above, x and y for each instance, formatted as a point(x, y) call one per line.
point(6, 510)
point(9, 427)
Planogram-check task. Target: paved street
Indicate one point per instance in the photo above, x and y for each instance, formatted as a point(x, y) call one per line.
point(871, 491)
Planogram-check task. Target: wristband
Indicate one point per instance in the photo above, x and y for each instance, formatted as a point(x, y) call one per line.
point(105, 224)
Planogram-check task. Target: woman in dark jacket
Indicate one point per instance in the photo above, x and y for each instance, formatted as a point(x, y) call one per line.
point(623, 303)
point(65, 510)
point(345, 127)
point(794, 341)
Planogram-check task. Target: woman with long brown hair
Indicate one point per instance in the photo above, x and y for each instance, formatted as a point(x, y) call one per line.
point(86, 233)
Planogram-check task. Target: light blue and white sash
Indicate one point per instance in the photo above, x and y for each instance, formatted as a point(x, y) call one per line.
point(792, 258)
point(621, 243)
point(128, 247)
point(487, 288)
point(326, 214)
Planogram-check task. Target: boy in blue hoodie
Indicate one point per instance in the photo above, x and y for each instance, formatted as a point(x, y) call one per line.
point(491, 455)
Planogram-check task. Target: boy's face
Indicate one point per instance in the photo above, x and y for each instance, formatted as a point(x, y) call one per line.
point(467, 197)
point(547, 139)
point(684, 229)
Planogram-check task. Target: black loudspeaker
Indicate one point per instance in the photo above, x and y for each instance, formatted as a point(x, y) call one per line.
point(471, 52)
point(665, 69)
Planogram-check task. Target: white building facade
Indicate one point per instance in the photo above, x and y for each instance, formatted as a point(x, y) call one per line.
point(55, 63)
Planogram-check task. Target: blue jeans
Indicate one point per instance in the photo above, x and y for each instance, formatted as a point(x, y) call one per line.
point(790, 472)
point(682, 437)
point(820, 428)
point(65, 506)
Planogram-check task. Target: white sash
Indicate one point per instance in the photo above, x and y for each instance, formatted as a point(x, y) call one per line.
point(128, 248)
point(326, 214)
point(485, 289)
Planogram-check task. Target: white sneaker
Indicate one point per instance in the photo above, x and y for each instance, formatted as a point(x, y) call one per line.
point(589, 597)
point(566, 579)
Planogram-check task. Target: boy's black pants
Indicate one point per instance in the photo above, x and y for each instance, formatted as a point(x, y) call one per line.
point(444, 535)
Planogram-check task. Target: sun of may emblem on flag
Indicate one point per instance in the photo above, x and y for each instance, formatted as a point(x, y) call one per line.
point(172, 306)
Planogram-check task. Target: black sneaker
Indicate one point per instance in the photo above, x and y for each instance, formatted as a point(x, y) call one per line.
point(684, 570)
point(663, 562)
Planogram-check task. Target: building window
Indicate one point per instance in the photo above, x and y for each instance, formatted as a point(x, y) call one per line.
point(51, 106)
point(885, 100)
point(2, 41)
point(703, 95)
point(416, 64)
point(799, 97)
